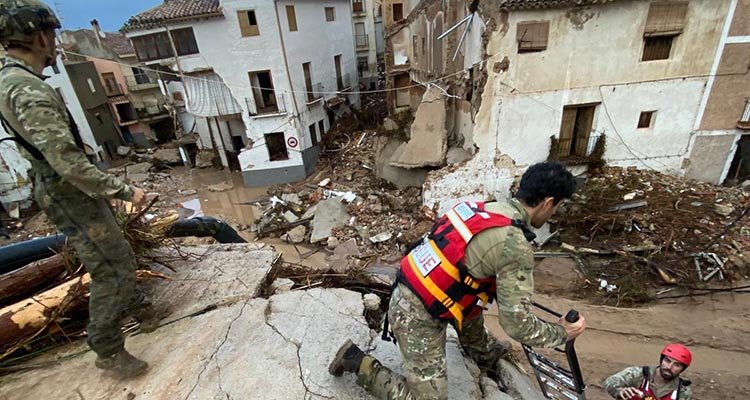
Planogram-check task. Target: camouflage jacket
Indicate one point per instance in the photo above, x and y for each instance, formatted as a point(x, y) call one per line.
point(506, 254)
point(38, 114)
point(633, 377)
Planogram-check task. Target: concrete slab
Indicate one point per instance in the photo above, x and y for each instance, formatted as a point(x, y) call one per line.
point(429, 136)
point(413, 177)
point(246, 348)
point(222, 274)
point(329, 214)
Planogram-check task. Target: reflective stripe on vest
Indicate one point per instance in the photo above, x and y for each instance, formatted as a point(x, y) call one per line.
point(434, 269)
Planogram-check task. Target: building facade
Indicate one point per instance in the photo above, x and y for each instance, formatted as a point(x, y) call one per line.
point(262, 81)
point(664, 83)
point(368, 40)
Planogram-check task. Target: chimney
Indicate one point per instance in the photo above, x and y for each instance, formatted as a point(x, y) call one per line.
point(97, 32)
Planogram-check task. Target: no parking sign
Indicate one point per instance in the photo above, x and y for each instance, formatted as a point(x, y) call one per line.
point(292, 142)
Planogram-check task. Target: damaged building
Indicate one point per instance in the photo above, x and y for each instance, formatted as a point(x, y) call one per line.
point(657, 85)
point(367, 17)
point(261, 82)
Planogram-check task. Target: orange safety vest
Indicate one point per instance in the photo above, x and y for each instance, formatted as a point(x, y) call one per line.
point(434, 270)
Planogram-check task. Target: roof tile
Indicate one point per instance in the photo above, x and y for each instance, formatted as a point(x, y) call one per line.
point(172, 10)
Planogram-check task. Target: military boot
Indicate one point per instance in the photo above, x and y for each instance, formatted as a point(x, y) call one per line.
point(148, 318)
point(123, 365)
point(348, 359)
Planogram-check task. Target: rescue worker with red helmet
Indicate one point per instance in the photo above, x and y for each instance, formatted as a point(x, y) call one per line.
point(661, 383)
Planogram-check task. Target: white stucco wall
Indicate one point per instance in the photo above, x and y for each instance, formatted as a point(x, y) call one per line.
point(223, 49)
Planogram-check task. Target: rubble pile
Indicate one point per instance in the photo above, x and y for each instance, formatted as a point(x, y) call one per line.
point(344, 199)
point(638, 231)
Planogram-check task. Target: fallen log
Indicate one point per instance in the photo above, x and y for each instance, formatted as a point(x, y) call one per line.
point(30, 317)
point(16, 255)
point(24, 281)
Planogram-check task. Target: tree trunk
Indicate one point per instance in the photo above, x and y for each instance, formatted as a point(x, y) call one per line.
point(27, 317)
point(24, 281)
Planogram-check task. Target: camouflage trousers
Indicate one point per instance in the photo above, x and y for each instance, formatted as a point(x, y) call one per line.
point(92, 230)
point(421, 340)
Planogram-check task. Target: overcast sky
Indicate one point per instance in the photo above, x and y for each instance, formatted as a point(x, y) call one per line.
point(112, 14)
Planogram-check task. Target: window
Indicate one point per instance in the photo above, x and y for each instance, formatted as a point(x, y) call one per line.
point(91, 85)
point(575, 130)
point(363, 66)
point(184, 41)
point(307, 69)
point(657, 48)
point(532, 36)
point(398, 11)
point(330, 14)
point(339, 79)
point(264, 94)
point(313, 135)
point(110, 84)
point(646, 119)
point(402, 83)
point(664, 23)
point(360, 37)
point(321, 127)
point(291, 18)
point(248, 23)
point(140, 76)
point(358, 6)
point(276, 146)
point(152, 47)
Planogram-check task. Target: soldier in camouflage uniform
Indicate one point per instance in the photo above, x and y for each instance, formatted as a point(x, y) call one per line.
point(500, 254)
point(660, 383)
point(67, 186)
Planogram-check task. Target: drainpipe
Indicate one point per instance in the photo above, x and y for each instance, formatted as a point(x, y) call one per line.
point(286, 62)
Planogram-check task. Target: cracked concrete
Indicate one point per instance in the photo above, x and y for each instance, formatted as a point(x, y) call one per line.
point(245, 348)
point(429, 137)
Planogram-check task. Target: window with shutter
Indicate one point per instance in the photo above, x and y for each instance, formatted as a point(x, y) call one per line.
point(532, 36)
point(248, 23)
point(575, 131)
point(666, 19)
point(291, 18)
point(330, 14)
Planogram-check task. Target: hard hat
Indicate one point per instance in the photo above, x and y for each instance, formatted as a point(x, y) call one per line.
point(678, 353)
point(20, 19)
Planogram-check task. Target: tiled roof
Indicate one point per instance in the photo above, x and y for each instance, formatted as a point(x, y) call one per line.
point(171, 10)
point(118, 43)
point(541, 4)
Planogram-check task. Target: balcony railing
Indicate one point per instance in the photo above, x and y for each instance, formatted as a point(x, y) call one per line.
point(113, 89)
point(744, 122)
point(315, 93)
point(362, 41)
point(140, 82)
point(274, 104)
point(344, 82)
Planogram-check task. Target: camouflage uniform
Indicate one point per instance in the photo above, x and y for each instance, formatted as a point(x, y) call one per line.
point(500, 252)
point(72, 192)
point(633, 377)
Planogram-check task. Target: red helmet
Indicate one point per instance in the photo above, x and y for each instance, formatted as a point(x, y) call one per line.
point(678, 353)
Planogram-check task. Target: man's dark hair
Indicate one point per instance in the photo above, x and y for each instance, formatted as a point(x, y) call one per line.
point(547, 179)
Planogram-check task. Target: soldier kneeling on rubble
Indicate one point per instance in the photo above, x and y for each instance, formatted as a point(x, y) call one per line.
point(474, 254)
point(661, 383)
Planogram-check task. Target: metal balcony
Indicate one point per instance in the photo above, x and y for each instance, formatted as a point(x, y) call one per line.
point(271, 104)
point(140, 82)
point(362, 41)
